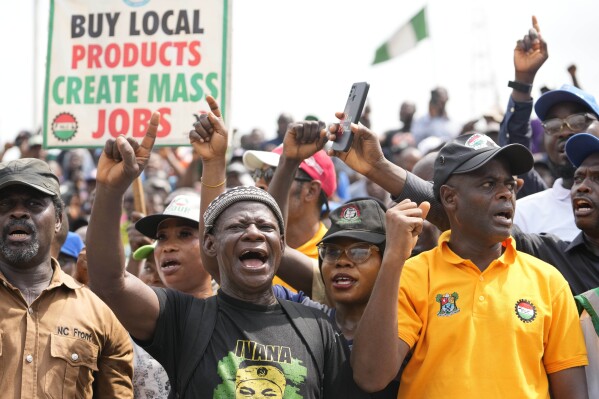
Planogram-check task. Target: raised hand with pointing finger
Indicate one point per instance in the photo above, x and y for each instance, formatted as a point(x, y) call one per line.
point(209, 137)
point(529, 55)
point(123, 159)
point(133, 302)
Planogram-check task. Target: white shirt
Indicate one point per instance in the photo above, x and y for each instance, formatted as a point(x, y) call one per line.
point(548, 211)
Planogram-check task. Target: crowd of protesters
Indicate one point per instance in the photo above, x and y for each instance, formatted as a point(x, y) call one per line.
point(430, 261)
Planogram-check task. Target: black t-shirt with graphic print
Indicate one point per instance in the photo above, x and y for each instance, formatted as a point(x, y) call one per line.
point(254, 351)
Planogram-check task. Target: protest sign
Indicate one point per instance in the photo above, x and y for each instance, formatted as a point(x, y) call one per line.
point(111, 63)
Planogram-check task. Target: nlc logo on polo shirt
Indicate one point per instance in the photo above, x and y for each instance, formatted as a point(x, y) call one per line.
point(525, 310)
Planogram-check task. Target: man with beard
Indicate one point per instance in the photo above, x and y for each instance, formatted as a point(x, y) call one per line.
point(58, 338)
point(563, 113)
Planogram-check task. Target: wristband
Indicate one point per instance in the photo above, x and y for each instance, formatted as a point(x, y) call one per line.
point(519, 86)
point(215, 186)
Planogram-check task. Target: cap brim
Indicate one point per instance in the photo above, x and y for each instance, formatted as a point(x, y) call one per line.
point(253, 160)
point(552, 97)
point(143, 252)
point(519, 158)
point(366, 236)
point(148, 225)
point(28, 184)
point(580, 146)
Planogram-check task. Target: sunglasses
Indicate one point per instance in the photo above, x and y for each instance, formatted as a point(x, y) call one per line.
point(265, 174)
point(576, 123)
point(357, 253)
point(268, 173)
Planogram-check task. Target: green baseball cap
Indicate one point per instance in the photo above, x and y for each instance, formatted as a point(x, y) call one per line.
point(144, 252)
point(362, 219)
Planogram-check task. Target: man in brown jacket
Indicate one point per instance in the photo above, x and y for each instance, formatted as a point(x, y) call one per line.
point(57, 338)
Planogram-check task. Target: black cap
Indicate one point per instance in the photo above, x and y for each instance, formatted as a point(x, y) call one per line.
point(469, 152)
point(31, 172)
point(363, 220)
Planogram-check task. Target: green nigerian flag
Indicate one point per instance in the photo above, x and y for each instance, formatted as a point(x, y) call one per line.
point(404, 39)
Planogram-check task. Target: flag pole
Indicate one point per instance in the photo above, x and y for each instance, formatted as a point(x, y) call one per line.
point(35, 64)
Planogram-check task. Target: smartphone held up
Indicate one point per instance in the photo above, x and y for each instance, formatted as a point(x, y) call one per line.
point(352, 112)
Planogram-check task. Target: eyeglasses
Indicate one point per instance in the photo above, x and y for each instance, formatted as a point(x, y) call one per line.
point(576, 123)
point(268, 173)
point(357, 253)
point(265, 174)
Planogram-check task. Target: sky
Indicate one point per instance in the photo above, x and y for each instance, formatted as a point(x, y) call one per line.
point(301, 57)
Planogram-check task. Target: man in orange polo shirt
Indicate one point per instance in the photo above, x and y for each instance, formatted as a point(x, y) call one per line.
point(481, 319)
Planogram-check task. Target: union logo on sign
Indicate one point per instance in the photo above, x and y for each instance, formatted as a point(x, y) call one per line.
point(64, 126)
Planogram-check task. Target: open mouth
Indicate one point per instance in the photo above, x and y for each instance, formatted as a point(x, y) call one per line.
point(169, 266)
point(19, 232)
point(253, 258)
point(504, 217)
point(341, 281)
point(582, 206)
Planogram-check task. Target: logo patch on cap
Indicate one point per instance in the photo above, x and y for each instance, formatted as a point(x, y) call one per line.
point(179, 205)
point(180, 201)
point(350, 215)
point(478, 141)
point(525, 310)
